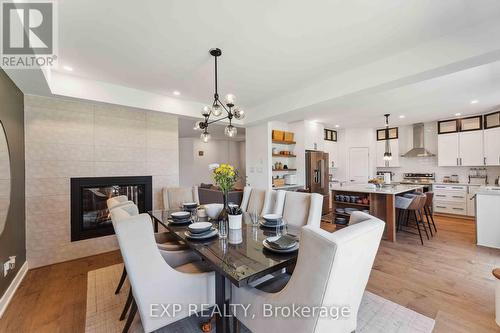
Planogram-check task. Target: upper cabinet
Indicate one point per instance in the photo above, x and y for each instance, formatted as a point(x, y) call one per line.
point(393, 133)
point(461, 142)
point(492, 146)
point(492, 120)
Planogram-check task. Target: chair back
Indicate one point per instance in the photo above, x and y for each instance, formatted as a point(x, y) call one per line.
point(302, 209)
point(116, 201)
point(153, 281)
point(122, 212)
point(339, 273)
point(256, 200)
point(247, 190)
point(174, 197)
point(274, 202)
point(430, 198)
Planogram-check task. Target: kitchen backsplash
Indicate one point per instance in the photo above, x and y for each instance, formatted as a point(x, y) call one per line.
point(430, 165)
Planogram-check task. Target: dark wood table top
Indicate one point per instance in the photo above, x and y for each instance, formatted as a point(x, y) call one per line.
point(240, 257)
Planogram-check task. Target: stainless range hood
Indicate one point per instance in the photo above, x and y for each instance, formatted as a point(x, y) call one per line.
point(418, 149)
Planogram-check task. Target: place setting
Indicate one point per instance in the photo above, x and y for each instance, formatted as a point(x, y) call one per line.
point(181, 217)
point(271, 221)
point(201, 231)
point(281, 243)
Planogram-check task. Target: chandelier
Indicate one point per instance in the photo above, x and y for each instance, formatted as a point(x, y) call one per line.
point(212, 114)
point(387, 153)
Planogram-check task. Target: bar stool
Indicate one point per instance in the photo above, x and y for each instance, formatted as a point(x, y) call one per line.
point(428, 210)
point(412, 205)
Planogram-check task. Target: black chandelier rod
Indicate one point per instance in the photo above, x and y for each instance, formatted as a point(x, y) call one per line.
point(216, 120)
point(216, 95)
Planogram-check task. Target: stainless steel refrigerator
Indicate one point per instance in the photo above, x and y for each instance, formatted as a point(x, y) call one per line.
point(317, 179)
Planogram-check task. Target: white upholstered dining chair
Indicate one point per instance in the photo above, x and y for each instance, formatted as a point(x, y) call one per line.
point(155, 280)
point(337, 276)
point(303, 209)
point(174, 197)
point(256, 200)
point(117, 201)
point(275, 200)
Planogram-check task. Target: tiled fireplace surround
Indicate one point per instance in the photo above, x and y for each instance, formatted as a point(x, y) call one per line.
point(67, 139)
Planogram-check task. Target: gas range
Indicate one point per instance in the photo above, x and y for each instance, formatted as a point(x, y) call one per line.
point(419, 179)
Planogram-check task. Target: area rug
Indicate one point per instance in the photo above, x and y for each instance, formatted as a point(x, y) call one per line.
point(376, 314)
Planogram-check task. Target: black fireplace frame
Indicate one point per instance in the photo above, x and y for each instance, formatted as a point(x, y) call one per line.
point(77, 186)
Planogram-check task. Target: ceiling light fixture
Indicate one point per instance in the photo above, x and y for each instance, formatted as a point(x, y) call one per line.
point(176, 92)
point(68, 68)
point(474, 101)
point(458, 114)
point(387, 153)
point(402, 116)
point(337, 126)
point(218, 107)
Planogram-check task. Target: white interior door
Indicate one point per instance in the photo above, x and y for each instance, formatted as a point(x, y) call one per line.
point(359, 165)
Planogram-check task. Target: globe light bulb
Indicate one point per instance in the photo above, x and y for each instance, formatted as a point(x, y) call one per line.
point(216, 110)
point(230, 98)
point(239, 113)
point(387, 156)
point(205, 112)
point(196, 126)
point(205, 136)
point(230, 131)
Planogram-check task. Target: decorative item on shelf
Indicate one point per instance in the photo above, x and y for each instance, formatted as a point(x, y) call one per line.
point(217, 107)
point(278, 182)
point(288, 136)
point(225, 176)
point(285, 167)
point(275, 151)
point(280, 166)
point(278, 135)
point(235, 215)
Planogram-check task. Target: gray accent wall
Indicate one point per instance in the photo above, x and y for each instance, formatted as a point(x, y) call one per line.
point(13, 239)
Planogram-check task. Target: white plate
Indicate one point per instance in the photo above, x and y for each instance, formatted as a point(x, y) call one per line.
point(199, 227)
point(213, 233)
point(183, 221)
point(180, 215)
point(272, 217)
point(270, 248)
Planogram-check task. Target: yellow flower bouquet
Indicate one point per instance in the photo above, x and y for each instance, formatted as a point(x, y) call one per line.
point(225, 176)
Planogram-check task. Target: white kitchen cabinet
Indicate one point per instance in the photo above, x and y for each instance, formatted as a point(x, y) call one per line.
point(450, 199)
point(394, 162)
point(492, 146)
point(461, 149)
point(448, 150)
point(471, 148)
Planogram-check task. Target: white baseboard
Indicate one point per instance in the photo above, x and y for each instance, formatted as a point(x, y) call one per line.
point(9, 293)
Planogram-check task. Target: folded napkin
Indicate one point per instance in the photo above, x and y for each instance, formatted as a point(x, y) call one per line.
point(284, 242)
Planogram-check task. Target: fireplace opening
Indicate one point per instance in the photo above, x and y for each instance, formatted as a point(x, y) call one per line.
point(89, 213)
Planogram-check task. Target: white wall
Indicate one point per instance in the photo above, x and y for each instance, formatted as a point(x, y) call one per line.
point(65, 139)
point(194, 168)
point(258, 156)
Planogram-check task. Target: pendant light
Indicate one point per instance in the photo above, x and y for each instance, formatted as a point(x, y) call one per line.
point(387, 153)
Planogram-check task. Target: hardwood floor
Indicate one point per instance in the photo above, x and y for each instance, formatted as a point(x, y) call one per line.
point(448, 279)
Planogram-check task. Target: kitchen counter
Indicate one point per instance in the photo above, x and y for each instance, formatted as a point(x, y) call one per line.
point(483, 190)
point(388, 189)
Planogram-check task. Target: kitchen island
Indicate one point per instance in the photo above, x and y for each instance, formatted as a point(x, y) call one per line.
point(379, 202)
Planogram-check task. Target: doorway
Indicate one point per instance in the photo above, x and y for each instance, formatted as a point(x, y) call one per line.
point(359, 165)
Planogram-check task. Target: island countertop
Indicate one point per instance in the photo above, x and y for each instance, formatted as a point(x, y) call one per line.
point(389, 189)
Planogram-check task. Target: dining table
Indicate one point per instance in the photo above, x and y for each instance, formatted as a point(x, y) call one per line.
point(240, 258)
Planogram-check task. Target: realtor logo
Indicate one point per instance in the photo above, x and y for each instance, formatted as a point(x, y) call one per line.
point(28, 34)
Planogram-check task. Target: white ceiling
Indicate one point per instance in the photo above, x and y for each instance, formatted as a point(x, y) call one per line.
point(428, 100)
point(283, 58)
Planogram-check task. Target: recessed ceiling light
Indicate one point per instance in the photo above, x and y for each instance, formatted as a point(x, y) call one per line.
point(402, 116)
point(68, 68)
point(474, 101)
point(458, 114)
point(337, 126)
point(176, 92)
